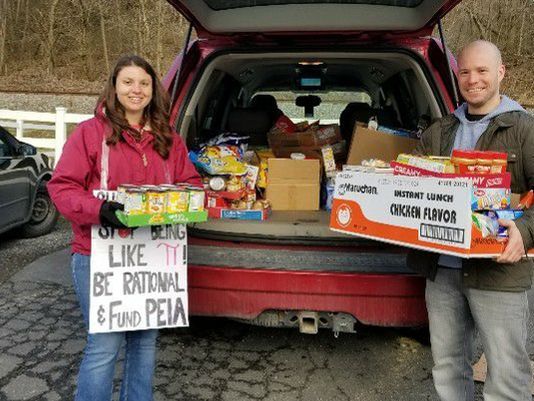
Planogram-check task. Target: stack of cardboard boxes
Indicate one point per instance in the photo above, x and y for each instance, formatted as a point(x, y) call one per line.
point(296, 184)
point(369, 144)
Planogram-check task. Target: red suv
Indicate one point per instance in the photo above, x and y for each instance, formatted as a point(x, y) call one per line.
point(329, 60)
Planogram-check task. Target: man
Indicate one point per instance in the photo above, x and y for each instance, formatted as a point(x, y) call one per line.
point(489, 295)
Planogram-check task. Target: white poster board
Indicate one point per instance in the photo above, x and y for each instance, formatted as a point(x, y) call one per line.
point(138, 278)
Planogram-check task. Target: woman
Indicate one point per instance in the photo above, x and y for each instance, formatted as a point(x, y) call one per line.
point(129, 141)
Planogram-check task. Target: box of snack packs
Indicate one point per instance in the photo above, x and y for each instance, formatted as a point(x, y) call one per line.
point(427, 204)
point(148, 205)
point(260, 210)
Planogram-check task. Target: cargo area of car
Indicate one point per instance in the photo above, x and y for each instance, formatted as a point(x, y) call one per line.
point(390, 85)
point(286, 226)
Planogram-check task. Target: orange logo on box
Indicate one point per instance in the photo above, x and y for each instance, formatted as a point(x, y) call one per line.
point(343, 215)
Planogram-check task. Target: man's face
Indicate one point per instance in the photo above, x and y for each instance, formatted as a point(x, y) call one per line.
point(479, 76)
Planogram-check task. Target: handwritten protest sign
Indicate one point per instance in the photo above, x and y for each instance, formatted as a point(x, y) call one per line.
point(138, 278)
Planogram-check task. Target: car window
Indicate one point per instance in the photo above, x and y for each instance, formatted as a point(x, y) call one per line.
point(5, 150)
point(328, 111)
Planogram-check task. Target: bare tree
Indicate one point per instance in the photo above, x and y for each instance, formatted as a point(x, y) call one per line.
point(104, 37)
point(3, 35)
point(50, 37)
point(26, 19)
point(159, 45)
point(144, 28)
point(521, 33)
point(81, 38)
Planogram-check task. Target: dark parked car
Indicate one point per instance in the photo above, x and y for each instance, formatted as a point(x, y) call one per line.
point(24, 200)
point(334, 60)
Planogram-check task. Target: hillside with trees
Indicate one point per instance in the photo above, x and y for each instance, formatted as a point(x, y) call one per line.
point(70, 45)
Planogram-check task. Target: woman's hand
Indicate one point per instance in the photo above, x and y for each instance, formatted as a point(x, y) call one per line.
point(108, 216)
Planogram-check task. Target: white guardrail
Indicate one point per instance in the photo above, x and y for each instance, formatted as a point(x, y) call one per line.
point(57, 122)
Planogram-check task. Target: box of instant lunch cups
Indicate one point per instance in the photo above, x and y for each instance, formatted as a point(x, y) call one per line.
point(431, 213)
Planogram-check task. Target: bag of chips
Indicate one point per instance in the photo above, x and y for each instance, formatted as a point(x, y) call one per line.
point(218, 160)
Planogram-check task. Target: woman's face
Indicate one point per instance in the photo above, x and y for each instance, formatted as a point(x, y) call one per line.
point(134, 91)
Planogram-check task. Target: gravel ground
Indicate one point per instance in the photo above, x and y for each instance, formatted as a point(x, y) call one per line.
point(47, 103)
point(17, 252)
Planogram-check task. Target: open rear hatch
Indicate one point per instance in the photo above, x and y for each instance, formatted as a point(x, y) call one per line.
point(414, 18)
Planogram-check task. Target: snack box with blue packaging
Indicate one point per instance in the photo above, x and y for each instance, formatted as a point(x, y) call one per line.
point(238, 214)
point(327, 193)
point(487, 221)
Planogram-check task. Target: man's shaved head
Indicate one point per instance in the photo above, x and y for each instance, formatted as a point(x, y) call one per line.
point(481, 46)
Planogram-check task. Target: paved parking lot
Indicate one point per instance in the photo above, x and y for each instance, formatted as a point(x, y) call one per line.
point(42, 337)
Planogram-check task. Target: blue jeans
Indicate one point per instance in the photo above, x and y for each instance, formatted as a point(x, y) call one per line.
point(501, 319)
point(95, 379)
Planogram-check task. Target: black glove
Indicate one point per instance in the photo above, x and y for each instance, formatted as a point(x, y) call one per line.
point(108, 216)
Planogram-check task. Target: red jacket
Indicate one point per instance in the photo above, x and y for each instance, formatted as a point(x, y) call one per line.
point(77, 173)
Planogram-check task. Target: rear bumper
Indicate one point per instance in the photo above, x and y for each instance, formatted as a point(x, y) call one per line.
point(373, 299)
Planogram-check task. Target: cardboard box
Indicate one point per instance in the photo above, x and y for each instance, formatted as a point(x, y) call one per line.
point(140, 220)
point(369, 144)
point(293, 184)
point(238, 214)
point(324, 135)
point(429, 213)
point(313, 152)
point(309, 143)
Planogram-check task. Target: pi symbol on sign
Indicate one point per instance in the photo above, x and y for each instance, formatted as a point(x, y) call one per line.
point(171, 253)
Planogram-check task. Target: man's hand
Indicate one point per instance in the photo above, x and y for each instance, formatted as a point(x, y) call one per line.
point(515, 249)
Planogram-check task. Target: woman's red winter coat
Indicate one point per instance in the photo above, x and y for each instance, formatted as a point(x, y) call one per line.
point(77, 173)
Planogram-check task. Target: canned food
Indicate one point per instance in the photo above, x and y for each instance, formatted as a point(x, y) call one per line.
point(156, 199)
point(121, 191)
point(177, 201)
point(196, 200)
point(135, 201)
point(217, 183)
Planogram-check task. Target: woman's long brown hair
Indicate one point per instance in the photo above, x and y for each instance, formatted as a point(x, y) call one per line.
point(155, 113)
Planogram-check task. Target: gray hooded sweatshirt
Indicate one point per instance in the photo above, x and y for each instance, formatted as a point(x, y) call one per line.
point(466, 138)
